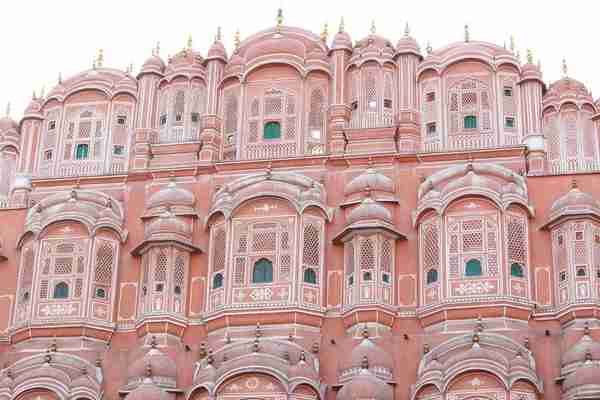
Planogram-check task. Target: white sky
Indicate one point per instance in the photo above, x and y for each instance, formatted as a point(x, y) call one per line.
point(40, 38)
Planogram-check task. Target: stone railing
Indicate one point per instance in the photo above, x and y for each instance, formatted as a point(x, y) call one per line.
point(176, 135)
point(267, 151)
point(368, 120)
point(66, 170)
point(562, 167)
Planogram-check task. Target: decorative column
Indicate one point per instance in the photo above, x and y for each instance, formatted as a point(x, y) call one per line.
point(531, 85)
point(339, 111)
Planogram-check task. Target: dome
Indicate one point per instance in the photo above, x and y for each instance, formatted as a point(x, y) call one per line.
point(160, 363)
point(531, 71)
point(172, 196)
point(8, 124)
point(408, 44)
point(303, 370)
point(154, 64)
point(567, 85)
point(34, 107)
point(369, 210)
point(341, 40)
point(376, 356)
point(217, 51)
point(84, 381)
point(587, 374)
point(366, 386)
point(147, 391)
point(369, 180)
point(577, 353)
point(573, 203)
point(168, 224)
point(477, 352)
point(457, 49)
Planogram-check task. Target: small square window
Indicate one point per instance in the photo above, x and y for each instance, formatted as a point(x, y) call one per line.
point(178, 118)
point(385, 278)
point(372, 104)
point(51, 125)
point(563, 276)
point(118, 150)
point(430, 97)
point(579, 235)
point(163, 120)
point(121, 119)
point(160, 287)
point(598, 273)
point(230, 139)
point(177, 290)
point(581, 272)
point(354, 105)
point(100, 293)
point(509, 122)
point(560, 240)
point(48, 155)
point(387, 103)
point(508, 91)
point(431, 128)
point(351, 280)
point(195, 117)
point(367, 276)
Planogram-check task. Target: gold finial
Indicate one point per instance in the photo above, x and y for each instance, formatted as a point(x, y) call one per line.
point(218, 36)
point(8, 106)
point(342, 25)
point(406, 30)
point(429, 49)
point(467, 35)
point(325, 32)
point(279, 18)
point(529, 56)
point(236, 39)
point(565, 68)
point(512, 43)
point(373, 29)
point(189, 42)
point(100, 59)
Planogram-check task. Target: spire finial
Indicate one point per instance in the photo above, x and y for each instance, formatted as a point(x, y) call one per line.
point(8, 107)
point(236, 39)
point(342, 25)
point(586, 328)
point(59, 78)
point(325, 32)
point(574, 183)
point(364, 363)
point(429, 49)
point(148, 370)
point(565, 68)
point(43, 91)
point(529, 56)
point(467, 35)
point(512, 44)
point(33, 96)
point(157, 49)
point(406, 30)
point(279, 18)
point(218, 36)
point(373, 28)
point(189, 42)
point(365, 332)
point(519, 56)
point(100, 59)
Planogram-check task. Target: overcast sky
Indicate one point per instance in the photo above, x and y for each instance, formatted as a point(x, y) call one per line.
point(39, 39)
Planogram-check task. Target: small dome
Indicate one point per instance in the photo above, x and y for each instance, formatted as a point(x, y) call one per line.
point(366, 386)
point(574, 202)
point(369, 210)
point(577, 353)
point(478, 352)
point(167, 225)
point(587, 374)
point(161, 365)
point(217, 51)
point(408, 44)
point(147, 391)
point(369, 350)
point(376, 42)
point(84, 381)
point(341, 40)
point(567, 85)
point(317, 53)
point(154, 64)
point(531, 71)
point(172, 196)
point(8, 124)
point(303, 370)
point(34, 106)
point(369, 180)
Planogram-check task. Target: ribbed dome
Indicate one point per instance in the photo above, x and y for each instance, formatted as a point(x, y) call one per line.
point(408, 44)
point(477, 352)
point(578, 352)
point(366, 386)
point(371, 179)
point(341, 40)
point(531, 71)
point(376, 356)
point(565, 85)
point(147, 391)
point(574, 201)
point(34, 106)
point(217, 51)
point(587, 374)
point(171, 196)
point(154, 64)
point(303, 370)
point(8, 124)
point(369, 210)
point(168, 224)
point(160, 363)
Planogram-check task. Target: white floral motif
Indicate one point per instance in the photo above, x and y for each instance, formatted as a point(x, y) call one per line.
point(261, 294)
point(475, 288)
point(58, 309)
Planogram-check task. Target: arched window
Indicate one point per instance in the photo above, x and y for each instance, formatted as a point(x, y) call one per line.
point(218, 281)
point(61, 290)
point(516, 270)
point(272, 130)
point(310, 276)
point(432, 276)
point(470, 122)
point(473, 268)
point(263, 271)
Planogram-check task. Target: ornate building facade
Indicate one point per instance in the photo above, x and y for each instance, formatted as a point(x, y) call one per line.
point(303, 219)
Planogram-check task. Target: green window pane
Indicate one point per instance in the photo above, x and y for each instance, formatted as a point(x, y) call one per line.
point(432, 276)
point(82, 151)
point(61, 291)
point(470, 122)
point(516, 270)
point(473, 268)
point(272, 130)
point(263, 271)
point(218, 281)
point(310, 276)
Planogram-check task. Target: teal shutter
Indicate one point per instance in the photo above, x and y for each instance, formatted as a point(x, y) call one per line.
point(473, 268)
point(263, 271)
point(470, 122)
point(516, 270)
point(272, 130)
point(310, 276)
point(82, 151)
point(432, 276)
point(61, 291)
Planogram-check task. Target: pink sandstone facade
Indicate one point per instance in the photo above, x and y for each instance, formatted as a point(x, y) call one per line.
point(303, 219)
